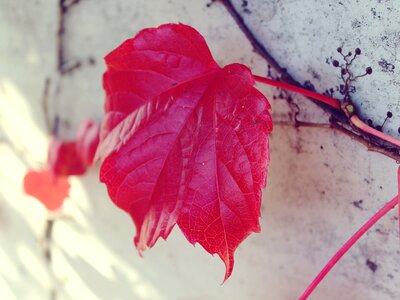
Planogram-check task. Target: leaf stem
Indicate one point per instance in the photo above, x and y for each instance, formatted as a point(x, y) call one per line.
point(335, 103)
point(356, 121)
point(342, 251)
point(398, 195)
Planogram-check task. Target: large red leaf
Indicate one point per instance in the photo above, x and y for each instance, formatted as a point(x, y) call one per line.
point(51, 191)
point(184, 141)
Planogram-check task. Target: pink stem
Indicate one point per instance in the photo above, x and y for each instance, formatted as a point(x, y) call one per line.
point(322, 98)
point(342, 251)
point(355, 120)
point(398, 194)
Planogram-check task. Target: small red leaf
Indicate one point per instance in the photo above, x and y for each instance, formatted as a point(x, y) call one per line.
point(184, 141)
point(64, 159)
point(45, 187)
point(74, 157)
point(87, 140)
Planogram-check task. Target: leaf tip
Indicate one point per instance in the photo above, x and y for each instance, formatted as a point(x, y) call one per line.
point(228, 260)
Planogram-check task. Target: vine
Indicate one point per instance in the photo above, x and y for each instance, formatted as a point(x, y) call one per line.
point(340, 119)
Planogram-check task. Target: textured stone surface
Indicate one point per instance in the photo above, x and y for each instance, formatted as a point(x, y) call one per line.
point(303, 37)
point(322, 185)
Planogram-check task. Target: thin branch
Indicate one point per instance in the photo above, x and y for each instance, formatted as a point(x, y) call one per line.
point(341, 128)
point(70, 68)
point(371, 146)
point(298, 123)
point(356, 121)
point(45, 105)
point(62, 65)
point(60, 35)
point(258, 47)
point(47, 239)
point(69, 3)
point(47, 254)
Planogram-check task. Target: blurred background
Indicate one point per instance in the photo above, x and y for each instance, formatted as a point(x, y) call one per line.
point(322, 185)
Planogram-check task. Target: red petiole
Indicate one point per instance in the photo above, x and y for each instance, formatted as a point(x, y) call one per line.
point(342, 251)
point(335, 103)
point(285, 86)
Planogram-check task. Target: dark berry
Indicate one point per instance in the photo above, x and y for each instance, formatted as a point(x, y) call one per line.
point(335, 63)
point(358, 51)
point(339, 50)
point(368, 70)
point(369, 121)
point(379, 127)
point(389, 114)
point(349, 54)
point(343, 71)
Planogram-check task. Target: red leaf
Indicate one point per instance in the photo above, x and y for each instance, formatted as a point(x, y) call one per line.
point(45, 187)
point(87, 140)
point(184, 141)
point(64, 159)
point(74, 157)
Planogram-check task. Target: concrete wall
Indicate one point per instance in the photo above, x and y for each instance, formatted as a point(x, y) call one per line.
point(322, 185)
